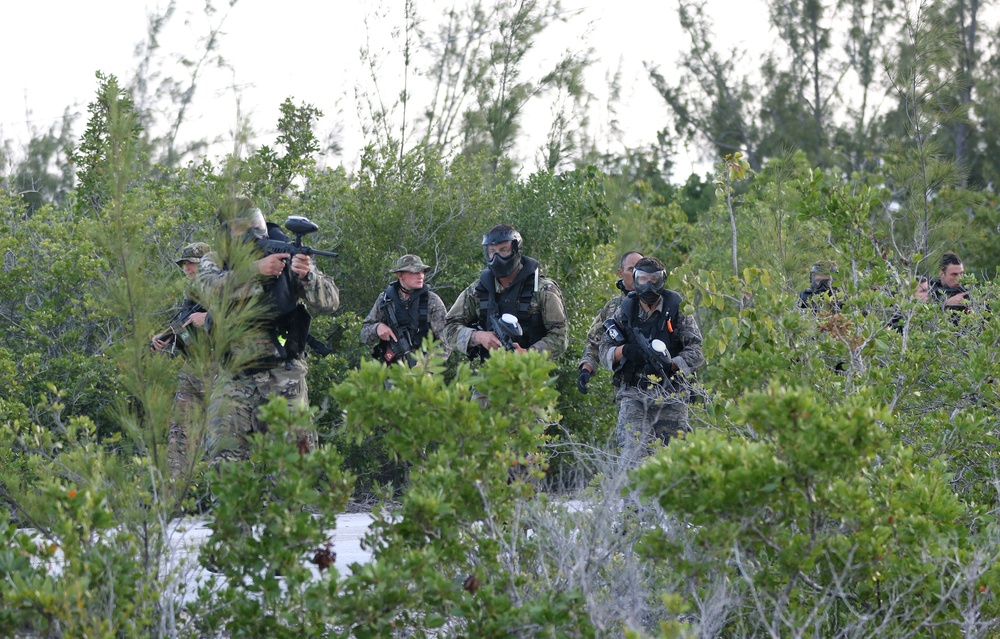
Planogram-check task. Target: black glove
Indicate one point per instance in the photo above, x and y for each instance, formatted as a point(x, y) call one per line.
point(582, 380)
point(633, 353)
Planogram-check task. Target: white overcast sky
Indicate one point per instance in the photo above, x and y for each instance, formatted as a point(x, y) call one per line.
point(309, 49)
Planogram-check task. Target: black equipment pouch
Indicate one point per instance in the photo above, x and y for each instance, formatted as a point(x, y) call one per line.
point(390, 352)
point(614, 331)
point(292, 333)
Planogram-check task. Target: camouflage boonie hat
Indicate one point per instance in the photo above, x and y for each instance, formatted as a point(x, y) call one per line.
point(410, 264)
point(824, 267)
point(193, 253)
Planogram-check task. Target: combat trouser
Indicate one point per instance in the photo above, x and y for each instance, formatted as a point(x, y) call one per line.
point(234, 415)
point(645, 414)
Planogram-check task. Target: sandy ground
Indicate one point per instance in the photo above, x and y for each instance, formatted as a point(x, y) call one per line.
point(187, 535)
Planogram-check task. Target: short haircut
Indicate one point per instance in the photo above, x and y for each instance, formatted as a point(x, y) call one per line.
point(650, 262)
point(621, 260)
point(949, 259)
point(501, 228)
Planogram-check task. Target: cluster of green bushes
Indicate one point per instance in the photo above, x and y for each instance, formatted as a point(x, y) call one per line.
point(840, 480)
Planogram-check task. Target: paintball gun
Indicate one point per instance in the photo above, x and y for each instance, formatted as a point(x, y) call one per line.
point(390, 352)
point(655, 353)
point(177, 333)
point(299, 226)
point(507, 328)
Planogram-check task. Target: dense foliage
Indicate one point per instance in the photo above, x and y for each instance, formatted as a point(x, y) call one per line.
point(840, 481)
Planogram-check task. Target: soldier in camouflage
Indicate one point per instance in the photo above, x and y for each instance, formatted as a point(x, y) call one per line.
point(417, 310)
point(652, 392)
point(511, 284)
point(821, 295)
point(271, 360)
point(189, 392)
point(590, 360)
point(189, 260)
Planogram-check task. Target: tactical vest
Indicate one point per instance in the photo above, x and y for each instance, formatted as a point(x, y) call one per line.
point(516, 300)
point(662, 326)
point(411, 317)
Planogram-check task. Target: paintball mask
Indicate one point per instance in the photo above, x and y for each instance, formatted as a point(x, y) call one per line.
point(821, 275)
point(245, 223)
point(502, 265)
point(649, 284)
point(821, 284)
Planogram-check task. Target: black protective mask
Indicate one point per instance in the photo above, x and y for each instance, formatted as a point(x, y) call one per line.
point(502, 267)
point(650, 288)
point(822, 286)
point(650, 297)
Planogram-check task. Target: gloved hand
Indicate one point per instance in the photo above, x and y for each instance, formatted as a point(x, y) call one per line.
point(582, 380)
point(633, 353)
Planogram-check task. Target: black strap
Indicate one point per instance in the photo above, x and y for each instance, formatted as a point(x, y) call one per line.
point(318, 347)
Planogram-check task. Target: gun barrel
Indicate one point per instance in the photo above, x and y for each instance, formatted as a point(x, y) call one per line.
point(323, 253)
point(277, 246)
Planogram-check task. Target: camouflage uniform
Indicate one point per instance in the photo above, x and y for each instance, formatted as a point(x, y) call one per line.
point(647, 410)
point(463, 318)
point(436, 311)
point(591, 351)
point(190, 392)
point(233, 414)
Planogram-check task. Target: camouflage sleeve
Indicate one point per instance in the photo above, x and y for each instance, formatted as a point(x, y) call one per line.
point(592, 347)
point(550, 302)
point(461, 319)
point(437, 316)
point(690, 358)
point(369, 335)
point(193, 292)
point(606, 351)
point(215, 281)
point(320, 292)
